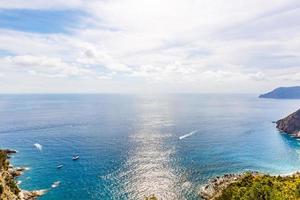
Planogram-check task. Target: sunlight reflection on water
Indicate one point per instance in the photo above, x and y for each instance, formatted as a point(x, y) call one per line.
point(149, 165)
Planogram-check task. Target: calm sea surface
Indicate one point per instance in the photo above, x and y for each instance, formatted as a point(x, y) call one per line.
point(129, 145)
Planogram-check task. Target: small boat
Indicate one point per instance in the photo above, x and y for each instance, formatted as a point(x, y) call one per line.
point(75, 157)
point(59, 166)
point(55, 184)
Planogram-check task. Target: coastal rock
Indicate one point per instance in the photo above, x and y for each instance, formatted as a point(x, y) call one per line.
point(290, 124)
point(9, 189)
point(216, 185)
point(16, 171)
point(283, 93)
point(10, 151)
point(31, 195)
point(252, 185)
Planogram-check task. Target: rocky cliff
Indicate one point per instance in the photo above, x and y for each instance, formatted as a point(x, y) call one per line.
point(290, 124)
point(8, 186)
point(9, 189)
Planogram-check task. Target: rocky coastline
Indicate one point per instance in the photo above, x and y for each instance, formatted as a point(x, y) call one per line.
point(9, 188)
point(217, 187)
point(213, 189)
point(290, 124)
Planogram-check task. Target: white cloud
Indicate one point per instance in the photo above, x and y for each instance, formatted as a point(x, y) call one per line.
point(91, 56)
point(172, 41)
point(40, 4)
point(46, 66)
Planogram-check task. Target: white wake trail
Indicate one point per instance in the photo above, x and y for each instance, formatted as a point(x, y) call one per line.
point(188, 135)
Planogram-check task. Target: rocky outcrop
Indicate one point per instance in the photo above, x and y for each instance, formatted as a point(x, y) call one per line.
point(31, 195)
point(8, 186)
point(215, 186)
point(9, 151)
point(252, 185)
point(283, 93)
point(9, 189)
point(290, 124)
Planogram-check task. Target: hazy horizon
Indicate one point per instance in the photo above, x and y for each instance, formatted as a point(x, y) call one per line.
point(132, 93)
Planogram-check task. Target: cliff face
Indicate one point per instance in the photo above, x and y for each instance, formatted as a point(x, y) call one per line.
point(283, 93)
point(290, 124)
point(8, 187)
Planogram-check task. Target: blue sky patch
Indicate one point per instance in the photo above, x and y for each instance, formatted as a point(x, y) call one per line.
point(45, 21)
point(5, 53)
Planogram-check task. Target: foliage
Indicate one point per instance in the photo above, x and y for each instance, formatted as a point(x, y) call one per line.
point(3, 159)
point(9, 181)
point(263, 187)
point(1, 189)
point(12, 185)
point(152, 197)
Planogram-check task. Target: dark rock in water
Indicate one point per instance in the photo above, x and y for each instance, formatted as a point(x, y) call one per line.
point(10, 151)
point(283, 93)
point(290, 124)
point(17, 171)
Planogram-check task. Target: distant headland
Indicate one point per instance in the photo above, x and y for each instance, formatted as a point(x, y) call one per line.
point(283, 93)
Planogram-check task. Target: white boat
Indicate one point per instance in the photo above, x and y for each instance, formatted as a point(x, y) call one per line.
point(59, 166)
point(75, 157)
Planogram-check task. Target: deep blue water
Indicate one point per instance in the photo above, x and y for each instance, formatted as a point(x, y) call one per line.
point(129, 145)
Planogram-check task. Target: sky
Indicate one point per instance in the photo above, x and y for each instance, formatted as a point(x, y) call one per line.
point(148, 46)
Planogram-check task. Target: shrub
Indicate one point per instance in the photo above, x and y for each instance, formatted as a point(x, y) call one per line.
point(1, 189)
point(263, 187)
point(152, 197)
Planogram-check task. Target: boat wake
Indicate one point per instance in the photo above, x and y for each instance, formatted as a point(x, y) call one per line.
point(188, 135)
point(38, 146)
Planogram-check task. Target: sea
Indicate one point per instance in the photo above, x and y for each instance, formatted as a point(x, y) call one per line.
point(132, 146)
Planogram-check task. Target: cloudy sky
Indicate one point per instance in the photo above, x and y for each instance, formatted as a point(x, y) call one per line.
point(132, 46)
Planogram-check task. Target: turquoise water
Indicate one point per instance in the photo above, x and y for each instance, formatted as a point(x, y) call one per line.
point(129, 145)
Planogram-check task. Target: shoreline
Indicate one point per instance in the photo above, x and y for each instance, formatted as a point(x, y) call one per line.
point(10, 173)
point(215, 186)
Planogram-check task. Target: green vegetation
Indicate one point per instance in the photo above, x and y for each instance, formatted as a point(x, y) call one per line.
point(7, 182)
point(1, 189)
point(263, 187)
point(152, 197)
point(11, 184)
point(3, 160)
